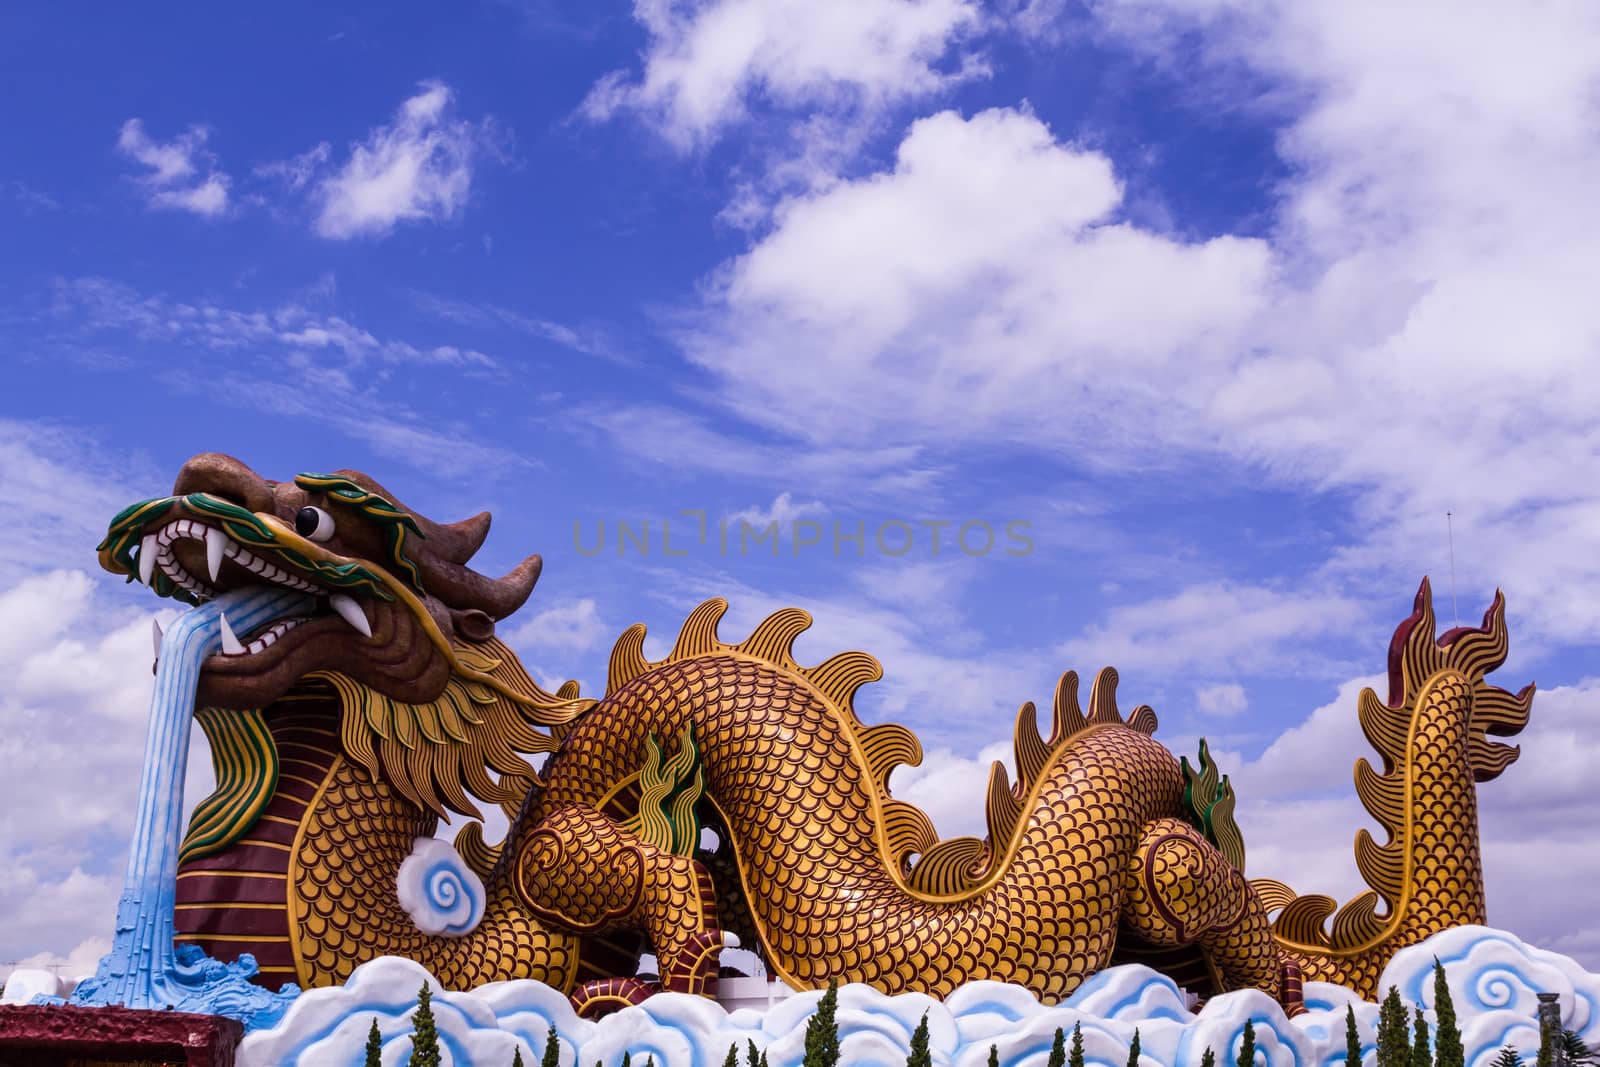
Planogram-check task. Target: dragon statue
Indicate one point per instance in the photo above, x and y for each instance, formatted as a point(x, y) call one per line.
point(340, 737)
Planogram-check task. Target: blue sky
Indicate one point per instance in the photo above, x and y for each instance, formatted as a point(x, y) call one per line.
point(1228, 303)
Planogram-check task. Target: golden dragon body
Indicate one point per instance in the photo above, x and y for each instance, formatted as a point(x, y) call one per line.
point(1105, 848)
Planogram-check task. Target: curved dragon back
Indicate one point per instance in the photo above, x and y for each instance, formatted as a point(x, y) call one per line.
point(924, 865)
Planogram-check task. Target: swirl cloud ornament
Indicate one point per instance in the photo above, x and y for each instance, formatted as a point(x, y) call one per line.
point(439, 891)
point(1493, 978)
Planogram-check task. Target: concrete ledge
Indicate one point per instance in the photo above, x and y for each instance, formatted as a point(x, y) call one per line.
point(47, 1036)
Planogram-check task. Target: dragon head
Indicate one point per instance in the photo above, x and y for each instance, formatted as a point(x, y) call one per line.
point(392, 596)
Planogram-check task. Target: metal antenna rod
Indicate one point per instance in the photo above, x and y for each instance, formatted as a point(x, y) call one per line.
point(1450, 529)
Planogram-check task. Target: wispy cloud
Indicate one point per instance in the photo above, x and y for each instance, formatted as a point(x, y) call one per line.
point(100, 304)
point(181, 174)
point(295, 361)
point(1224, 700)
point(417, 168)
point(675, 438)
point(784, 510)
point(489, 317)
point(30, 200)
point(1220, 628)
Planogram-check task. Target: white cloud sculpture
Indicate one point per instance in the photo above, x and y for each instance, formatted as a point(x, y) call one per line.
point(1494, 978)
point(439, 891)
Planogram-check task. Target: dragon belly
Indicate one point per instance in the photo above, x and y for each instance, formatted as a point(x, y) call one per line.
point(237, 900)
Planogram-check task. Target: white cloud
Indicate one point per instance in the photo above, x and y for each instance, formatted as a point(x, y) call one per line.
point(1223, 700)
point(77, 963)
point(707, 60)
point(418, 168)
point(1417, 331)
point(783, 511)
point(182, 174)
point(984, 283)
point(1215, 628)
point(77, 669)
point(567, 627)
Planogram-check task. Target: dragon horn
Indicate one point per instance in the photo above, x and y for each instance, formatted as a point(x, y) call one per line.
point(460, 587)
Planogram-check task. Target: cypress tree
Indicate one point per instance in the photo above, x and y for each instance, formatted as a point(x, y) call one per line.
point(822, 1033)
point(1247, 1046)
point(1447, 1048)
point(1208, 1058)
point(552, 1049)
point(1133, 1049)
point(920, 1056)
point(1058, 1049)
point(627, 1059)
point(994, 1056)
point(516, 1058)
point(1394, 1038)
point(1352, 1037)
point(374, 1046)
point(424, 1037)
point(733, 1056)
point(753, 1056)
point(1508, 1058)
point(1420, 1056)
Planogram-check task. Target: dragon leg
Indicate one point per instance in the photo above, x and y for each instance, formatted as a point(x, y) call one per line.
point(583, 871)
point(1180, 890)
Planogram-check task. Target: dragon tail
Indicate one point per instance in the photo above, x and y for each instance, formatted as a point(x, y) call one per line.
point(1434, 738)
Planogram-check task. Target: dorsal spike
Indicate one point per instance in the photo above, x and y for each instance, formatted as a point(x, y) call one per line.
point(627, 658)
point(1103, 698)
point(1067, 717)
point(699, 633)
point(907, 830)
point(1383, 867)
point(838, 677)
point(1357, 922)
point(1143, 718)
point(1383, 795)
point(947, 868)
point(773, 640)
point(1003, 810)
point(1031, 751)
point(1301, 920)
point(886, 746)
point(1386, 728)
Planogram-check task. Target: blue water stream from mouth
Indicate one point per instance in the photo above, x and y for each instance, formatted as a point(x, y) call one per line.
point(145, 969)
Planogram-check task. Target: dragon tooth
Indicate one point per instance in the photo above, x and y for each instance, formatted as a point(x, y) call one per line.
point(351, 613)
point(147, 558)
point(155, 632)
point(216, 544)
point(230, 643)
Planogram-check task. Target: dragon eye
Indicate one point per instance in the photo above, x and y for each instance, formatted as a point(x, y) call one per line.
point(313, 524)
